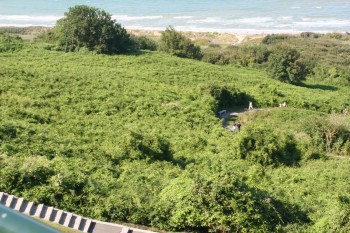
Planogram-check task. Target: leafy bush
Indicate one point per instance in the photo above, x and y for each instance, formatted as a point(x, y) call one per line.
point(47, 36)
point(332, 133)
point(202, 202)
point(309, 35)
point(137, 192)
point(143, 42)
point(92, 28)
point(337, 217)
point(241, 55)
point(264, 146)
point(136, 146)
point(10, 43)
point(175, 43)
point(274, 38)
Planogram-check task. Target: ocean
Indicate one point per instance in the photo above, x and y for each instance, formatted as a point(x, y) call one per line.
point(235, 16)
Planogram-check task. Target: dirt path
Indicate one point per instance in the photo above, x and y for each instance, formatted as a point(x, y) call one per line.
point(338, 156)
point(228, 115)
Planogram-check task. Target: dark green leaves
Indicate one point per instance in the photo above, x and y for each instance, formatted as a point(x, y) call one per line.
point(286, 65)
point(91, 28)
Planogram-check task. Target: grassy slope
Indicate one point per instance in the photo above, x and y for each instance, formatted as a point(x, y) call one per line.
point(151, 90)
point(65, 106)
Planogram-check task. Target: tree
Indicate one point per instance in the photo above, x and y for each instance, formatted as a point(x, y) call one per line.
point(177, 44)
point(92, 28)
point(285, 64)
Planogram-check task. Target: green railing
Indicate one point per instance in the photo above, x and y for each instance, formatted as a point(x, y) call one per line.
point(14, 222)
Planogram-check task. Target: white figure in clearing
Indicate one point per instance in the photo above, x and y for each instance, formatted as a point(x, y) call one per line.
point(250, 107)
point(234, 127)
point(284, 104)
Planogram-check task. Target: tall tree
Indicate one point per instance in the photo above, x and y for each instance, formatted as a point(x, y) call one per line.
point(285, 64)
point(92, 28)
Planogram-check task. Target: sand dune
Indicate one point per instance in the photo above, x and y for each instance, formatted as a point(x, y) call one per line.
point(201, 38)
point(205, 37)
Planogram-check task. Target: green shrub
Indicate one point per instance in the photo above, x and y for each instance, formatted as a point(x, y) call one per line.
point(309, 35)
point(135, 146)
point(137, 192)
point(332, 133)
point(218, 203)
point(337, 217)
point(262, 145)
point(47, 37)
point(10, 43)
point(275, 38)
point(144, 42)
point(253, 55)
point(175, 43)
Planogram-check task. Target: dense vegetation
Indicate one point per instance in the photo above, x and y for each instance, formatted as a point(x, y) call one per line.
point(136, 138)
point(10, 43)
point(322, 57)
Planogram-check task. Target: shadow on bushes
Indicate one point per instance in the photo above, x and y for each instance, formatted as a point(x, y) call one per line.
point(229, 97)
point(321, 87)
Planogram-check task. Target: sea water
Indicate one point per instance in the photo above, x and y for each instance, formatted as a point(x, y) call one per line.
point(240, 16)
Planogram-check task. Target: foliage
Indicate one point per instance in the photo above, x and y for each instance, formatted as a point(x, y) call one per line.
point(145, 145)
point(286, 65)
point(262, 145)
point(137, 192)
point(331, 133)
point(48, 37)
point(309, 35)
point(324, 56)
point(217, 199)
point(253, 55)
point(91, 28)
point(274, 38)
point(136, 146)
point(144, 42)
point(175, 43)
point(10, 43)
point(215, 204)
point(227, 97)
point(337, 218)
